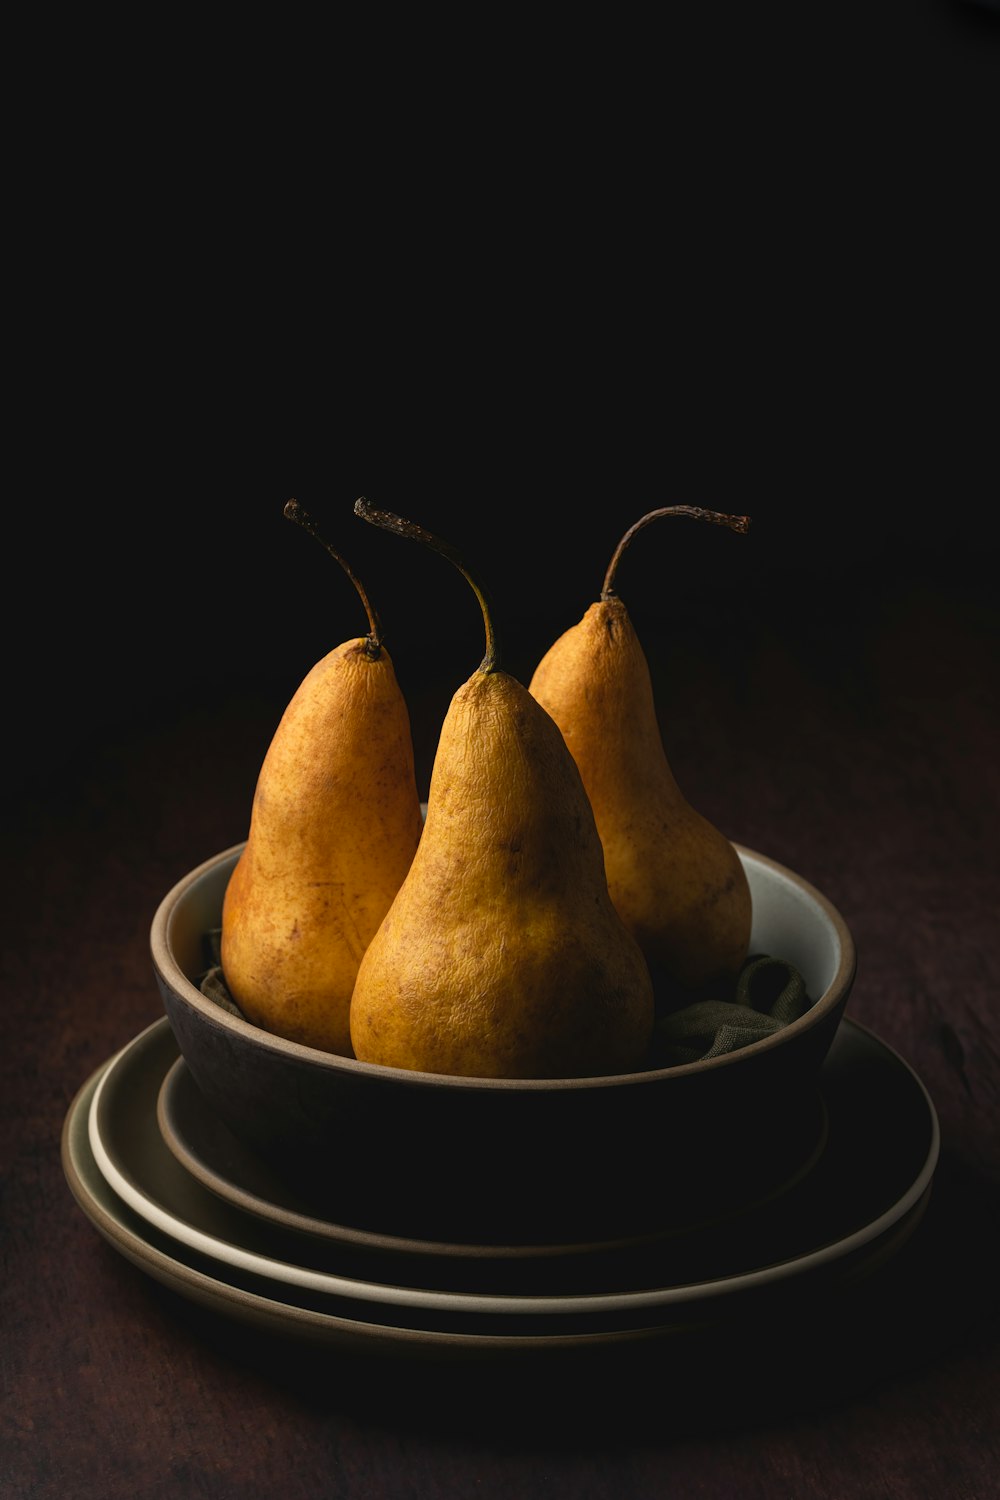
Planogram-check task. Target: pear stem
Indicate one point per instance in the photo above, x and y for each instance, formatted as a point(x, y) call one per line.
point(373, 643)
point(402, 527)
point(735, 523)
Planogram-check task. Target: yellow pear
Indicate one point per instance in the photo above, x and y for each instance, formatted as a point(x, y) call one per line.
point(675, 879)
point(502, 955)
point(334, 826)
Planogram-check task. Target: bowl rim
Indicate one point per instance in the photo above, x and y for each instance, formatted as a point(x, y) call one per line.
point(172, 976)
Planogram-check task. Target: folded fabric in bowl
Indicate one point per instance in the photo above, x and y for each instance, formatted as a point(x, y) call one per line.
point(768, 994)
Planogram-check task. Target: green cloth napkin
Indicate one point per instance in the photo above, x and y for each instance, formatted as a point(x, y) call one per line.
point(213, 983)
point(767, 995)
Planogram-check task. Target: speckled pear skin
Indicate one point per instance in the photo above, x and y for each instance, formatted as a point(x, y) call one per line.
point(502, 955)
point(676, 880)
point(334, 826)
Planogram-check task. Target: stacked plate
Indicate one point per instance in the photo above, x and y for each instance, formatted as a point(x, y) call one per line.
point(166, 1183)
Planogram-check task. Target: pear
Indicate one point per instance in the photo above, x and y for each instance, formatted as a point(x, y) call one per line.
point(502, 955)
point(334, 825)
point(675, 879)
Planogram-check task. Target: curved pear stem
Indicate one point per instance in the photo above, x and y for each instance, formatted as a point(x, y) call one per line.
point(402, 527)
point(735, 523)
point(373, 643)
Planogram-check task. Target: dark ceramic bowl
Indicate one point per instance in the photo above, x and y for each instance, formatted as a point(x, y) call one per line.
point(494, 1160)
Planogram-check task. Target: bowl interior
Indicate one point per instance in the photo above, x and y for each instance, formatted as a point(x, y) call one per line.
point(792, 920)
point(197, 911)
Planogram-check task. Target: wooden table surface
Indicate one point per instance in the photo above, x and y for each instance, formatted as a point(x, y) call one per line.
point(851, 731)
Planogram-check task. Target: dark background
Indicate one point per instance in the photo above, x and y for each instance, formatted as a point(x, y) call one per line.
point(747, 262)
point(759, 277)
